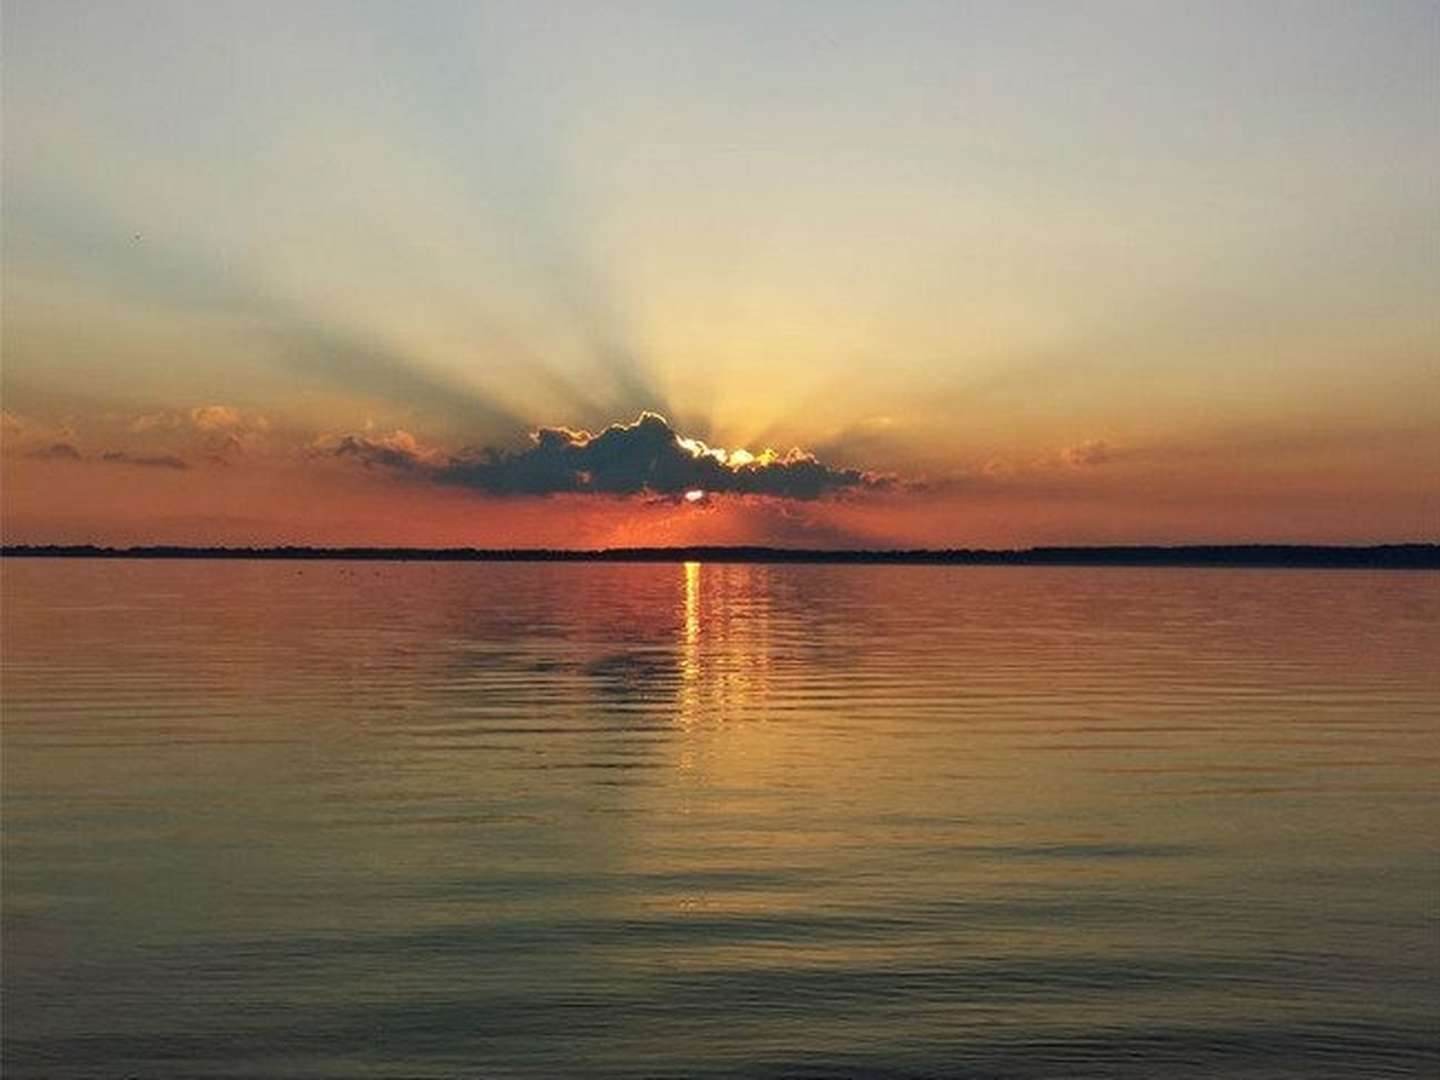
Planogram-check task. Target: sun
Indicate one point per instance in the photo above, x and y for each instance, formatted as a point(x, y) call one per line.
point(694, 495)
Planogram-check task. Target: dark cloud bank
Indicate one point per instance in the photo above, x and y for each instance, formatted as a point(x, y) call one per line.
point(646, 457)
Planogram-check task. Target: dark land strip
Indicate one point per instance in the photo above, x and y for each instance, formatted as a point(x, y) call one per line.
point(1375, 557)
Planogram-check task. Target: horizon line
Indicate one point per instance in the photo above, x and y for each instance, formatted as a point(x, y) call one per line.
point(1390, 555)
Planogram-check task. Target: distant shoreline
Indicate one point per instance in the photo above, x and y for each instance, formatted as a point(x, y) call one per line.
point(1372, 557)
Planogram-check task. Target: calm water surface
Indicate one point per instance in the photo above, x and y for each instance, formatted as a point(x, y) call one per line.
point(428, 820)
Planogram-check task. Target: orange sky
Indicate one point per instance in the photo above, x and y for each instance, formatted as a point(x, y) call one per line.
point(314, 500)
point(1130, 274)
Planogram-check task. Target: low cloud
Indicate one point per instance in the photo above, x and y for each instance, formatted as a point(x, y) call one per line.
point(60, 451)
point(398, 450)
point(26, 436)
point(171, 439)
point(12, 424)
point(644, 457)
point(149, 461)
point(215, 417)
point(220, 432)
point(67, 451)
point(1087, 454)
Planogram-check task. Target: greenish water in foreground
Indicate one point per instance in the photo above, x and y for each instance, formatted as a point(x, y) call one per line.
point(515, 820)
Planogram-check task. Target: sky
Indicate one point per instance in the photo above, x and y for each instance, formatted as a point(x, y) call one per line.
point(863, 274)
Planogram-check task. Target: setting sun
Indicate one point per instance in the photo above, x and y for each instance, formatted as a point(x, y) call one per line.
point(694, 495)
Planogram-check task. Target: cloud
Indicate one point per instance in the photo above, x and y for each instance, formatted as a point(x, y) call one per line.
point(1093, 452)
point(219, 432)
point(66, 451)
point(152, 461)
point(215, 418)
point(60, 451)
point(398, 450)
point(227, 432)
point(35, 438)
point(644, 457)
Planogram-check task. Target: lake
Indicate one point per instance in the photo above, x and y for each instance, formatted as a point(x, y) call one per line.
point(531, 820)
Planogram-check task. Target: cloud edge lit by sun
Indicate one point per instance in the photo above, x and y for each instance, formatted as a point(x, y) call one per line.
point(644, 457)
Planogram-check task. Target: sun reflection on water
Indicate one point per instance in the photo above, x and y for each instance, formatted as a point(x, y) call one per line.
point(723, 645)
point(689, 703)
point(692, 607)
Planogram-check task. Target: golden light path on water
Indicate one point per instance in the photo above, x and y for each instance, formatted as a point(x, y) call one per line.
point(717, 820)
point(689, 703)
